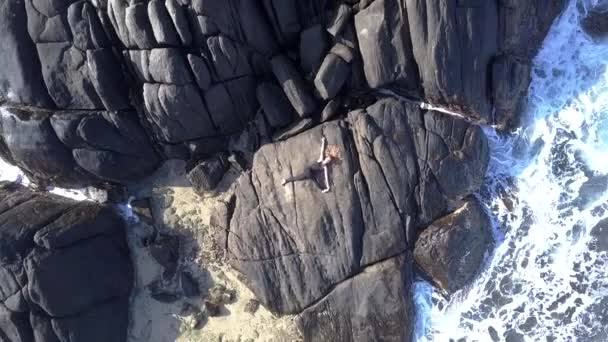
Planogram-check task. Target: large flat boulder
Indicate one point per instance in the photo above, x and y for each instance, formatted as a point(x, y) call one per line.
point(294, 243)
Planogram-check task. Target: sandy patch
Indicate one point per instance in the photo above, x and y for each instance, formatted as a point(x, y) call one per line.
point(177, 209)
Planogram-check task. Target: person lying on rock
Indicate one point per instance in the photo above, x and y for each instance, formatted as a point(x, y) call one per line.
point(319, 171)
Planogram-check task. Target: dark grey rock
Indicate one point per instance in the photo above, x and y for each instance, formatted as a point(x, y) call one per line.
point(252, 306)
point(331, 109)
point(276, 106)
point(114, 167)
point(178, 112)
point(452, 249)
point(343, 51)
point(258, 32)
point(165, 250)
point(85, 27)
point(207, 146)
point(91, 273)
point(374, 305)
point(46, 28)
point(82, 222)
point(190, 286)
point(110, 145)
point(383, 34)
point(35, 148)
point(205, 27)
point(21, 75)
point(331, 76)
point(223, 15)
point(229, 58)
point(294, 129)
point(169, 66)
point(212, 309)
point(341, 16)
point(138, 26)
point(510, 81)
point(17, 303)
point(78, 280)
point(377, 194)
point(67, 76)
point(596, 22)
point(14, 326)
point(454, 45)
point(600, 233)
point(140, 64)
point(162, 24)
point(107, 322)
point(314, 44)
point(285, 19)
point(200, 70)
point(8, 284)
point(180, 21)
point(232, 104)
point(221, 295)
point(293, 85)
point(107, 80)
point(43, 329)
point(513, 336)
point(117, 14)
point(207, 174)
point(591, 190)
point(523, 25)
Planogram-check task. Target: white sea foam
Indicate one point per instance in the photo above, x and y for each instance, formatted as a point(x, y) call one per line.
point(544, 282)
point(12, 173)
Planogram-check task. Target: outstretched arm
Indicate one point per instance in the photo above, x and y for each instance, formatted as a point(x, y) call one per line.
point(322, 153)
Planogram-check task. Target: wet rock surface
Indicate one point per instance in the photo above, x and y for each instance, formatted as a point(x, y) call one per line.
point(453, 248)
point(596, 22)
point(65, 270)
point(102, 93)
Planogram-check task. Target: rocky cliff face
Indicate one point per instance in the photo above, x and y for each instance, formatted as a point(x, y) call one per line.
point(103, 92)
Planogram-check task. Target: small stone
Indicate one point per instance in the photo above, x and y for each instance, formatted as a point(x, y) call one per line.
point(190, 286)
point(341, 17)
point(332, 75)
point(331, 109)
point(252, 306)
point(207, 174)
point(165, 250)
point(212, 308)
point(199, 320)
point(161, 294)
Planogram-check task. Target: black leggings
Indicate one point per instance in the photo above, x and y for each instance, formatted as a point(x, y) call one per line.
point(314, 173)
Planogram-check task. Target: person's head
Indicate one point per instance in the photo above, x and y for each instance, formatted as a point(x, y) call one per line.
point(333, 152)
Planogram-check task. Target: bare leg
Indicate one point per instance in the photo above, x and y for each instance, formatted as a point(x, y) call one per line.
point(323, 146)
point(326, 173)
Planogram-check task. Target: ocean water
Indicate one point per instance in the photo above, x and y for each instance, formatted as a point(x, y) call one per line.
point(547, 280)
